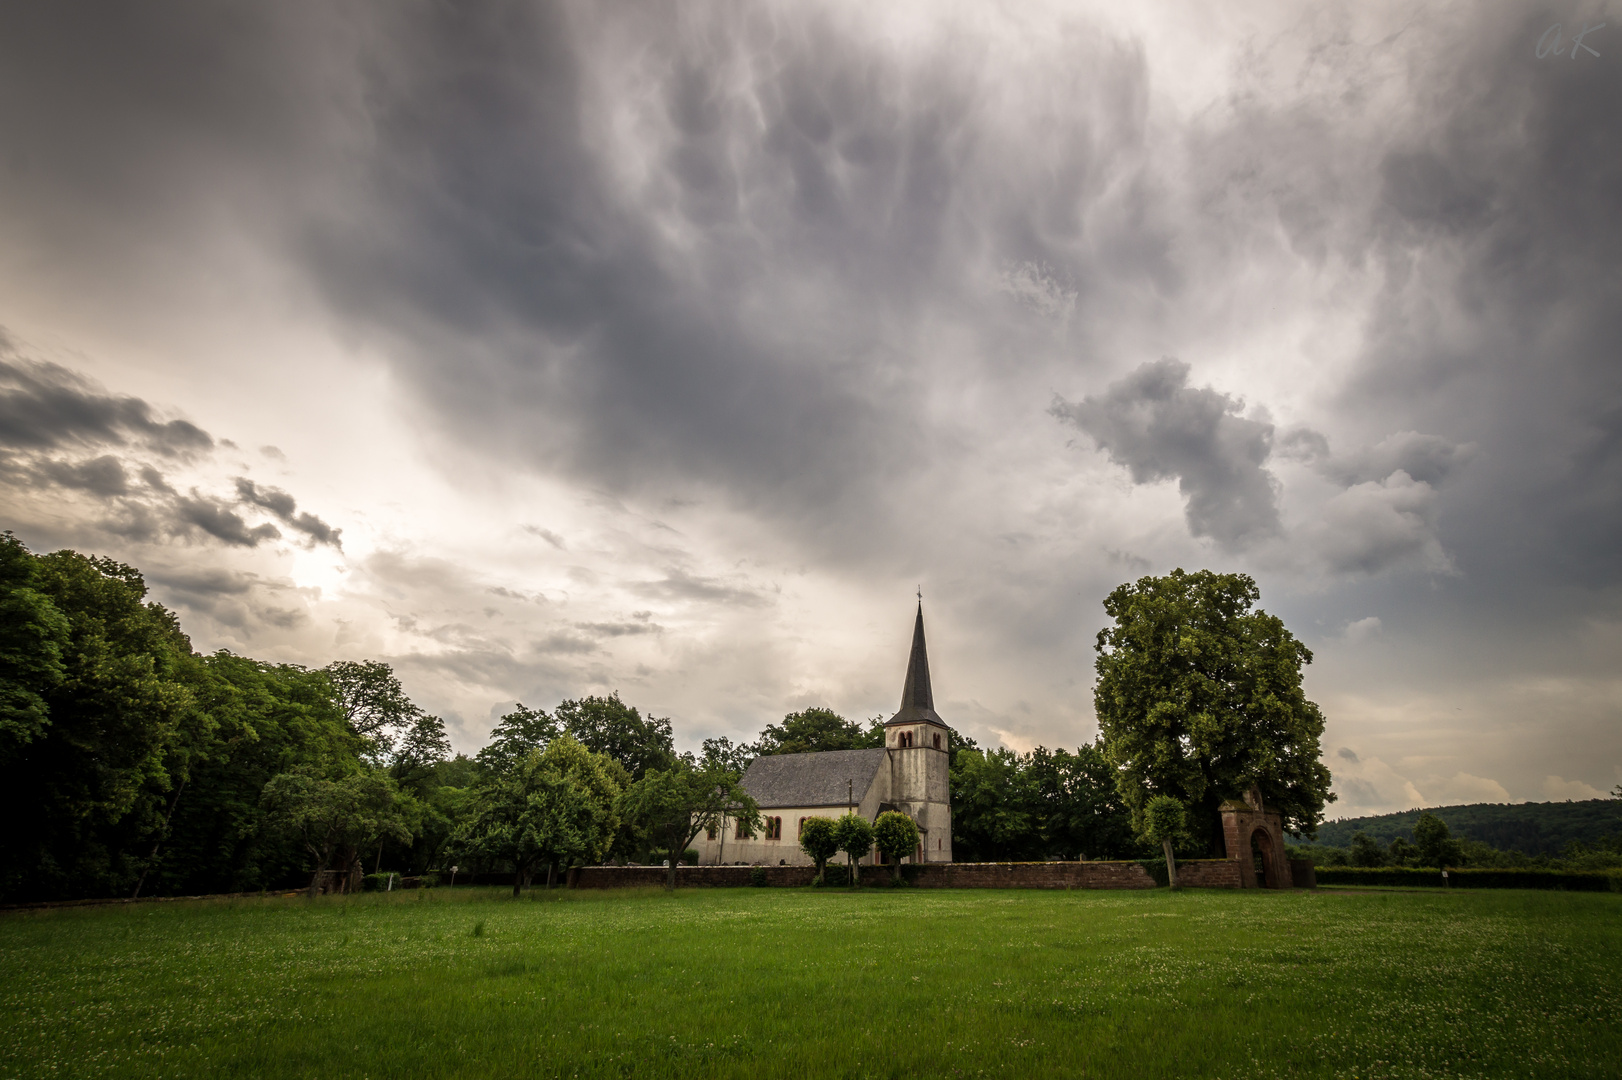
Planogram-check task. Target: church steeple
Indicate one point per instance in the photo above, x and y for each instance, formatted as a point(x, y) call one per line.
point(917, 699)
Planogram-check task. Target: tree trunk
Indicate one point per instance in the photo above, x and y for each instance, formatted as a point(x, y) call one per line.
point(518, 880)
point(670, 879)
point(551, 875)
point(855, 872)
point(1171, 864)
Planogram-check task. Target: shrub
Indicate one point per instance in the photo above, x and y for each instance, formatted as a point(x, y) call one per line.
point(757, 876)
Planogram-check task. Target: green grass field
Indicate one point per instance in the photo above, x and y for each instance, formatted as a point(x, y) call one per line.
point(795, 983)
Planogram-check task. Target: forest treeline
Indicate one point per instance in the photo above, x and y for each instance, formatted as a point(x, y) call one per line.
point(1577, 835)
point(131, 764)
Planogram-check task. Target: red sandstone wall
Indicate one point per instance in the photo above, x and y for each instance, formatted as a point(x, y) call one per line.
point(1208, 873)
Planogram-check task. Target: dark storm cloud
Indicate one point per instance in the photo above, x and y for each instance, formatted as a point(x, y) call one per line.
point(104, 476)
point(1160, 428)
point(1500, 217)
point(217, 520)
point(285, 507)
point(1427, 458)
point(45, 406)
point(50, 414)
point(728, 293)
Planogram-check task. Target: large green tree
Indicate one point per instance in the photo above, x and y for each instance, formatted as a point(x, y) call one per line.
point(268, 719)
point(336, 820)
point(672, 806)
point(1200, 697)
point(812, 730)
point(34, 636)
point(87, 779)
point(374, 705)
point(607, 725)
point(559, 806)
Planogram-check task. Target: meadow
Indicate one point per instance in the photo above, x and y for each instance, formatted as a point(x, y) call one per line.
point(797, 983)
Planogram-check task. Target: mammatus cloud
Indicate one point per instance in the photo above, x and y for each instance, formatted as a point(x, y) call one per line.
point(1160, 428)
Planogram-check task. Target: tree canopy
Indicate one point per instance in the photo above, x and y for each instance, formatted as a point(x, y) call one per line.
point(896, 835)
point(819, 840)
point(558, 807)
point(674, 805)
point(1200, 697)
point(816, 729)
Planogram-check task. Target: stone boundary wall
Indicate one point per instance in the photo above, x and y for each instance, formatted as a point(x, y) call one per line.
point(1209, 873)
point(1197, 873)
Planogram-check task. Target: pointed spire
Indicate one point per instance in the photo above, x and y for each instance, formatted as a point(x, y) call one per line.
point(917, 699)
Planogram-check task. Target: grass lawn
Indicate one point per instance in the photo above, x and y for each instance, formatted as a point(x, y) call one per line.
point(768, 983)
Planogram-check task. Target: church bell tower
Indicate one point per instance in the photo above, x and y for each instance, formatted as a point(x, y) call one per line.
point(919, 742)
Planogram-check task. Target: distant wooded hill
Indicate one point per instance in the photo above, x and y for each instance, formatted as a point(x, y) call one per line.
point(1534, 828)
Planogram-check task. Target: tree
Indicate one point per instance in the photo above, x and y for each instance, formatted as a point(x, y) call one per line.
point(558, 806)
point(1436, 845)
point(896, 834)
point(270, 719)
point(854, 835)
point(1365, 851)
point(85, 783)
point(1164, 821)
point(336, 819)
point(420, 748)
point(609, 726)
point(813, 730)
point(674, 805)
point(33, 637)
point(1200, 698)
point(515, 735)
point(1402, 852)
point(374, 704)
point(723, 751)
point(1074, 805)
point(819, 839)
point(991, 808)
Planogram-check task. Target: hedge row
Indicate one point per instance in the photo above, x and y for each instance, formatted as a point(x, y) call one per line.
point(1469, 879)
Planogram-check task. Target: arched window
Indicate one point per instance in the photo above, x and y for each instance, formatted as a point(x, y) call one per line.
point(937, 742)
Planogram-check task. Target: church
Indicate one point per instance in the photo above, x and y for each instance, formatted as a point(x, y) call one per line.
point(908, 774)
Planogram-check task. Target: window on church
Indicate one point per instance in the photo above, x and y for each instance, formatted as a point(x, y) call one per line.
point(711, 832)
point(774, 828)
point(906, 739)
point(937, 742)
point(743, 832)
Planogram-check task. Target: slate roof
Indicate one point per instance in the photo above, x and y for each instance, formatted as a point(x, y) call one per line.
point(917, 699)
point(813, 779)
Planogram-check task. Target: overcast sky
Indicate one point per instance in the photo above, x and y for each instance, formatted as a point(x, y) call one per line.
point(546, 351)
